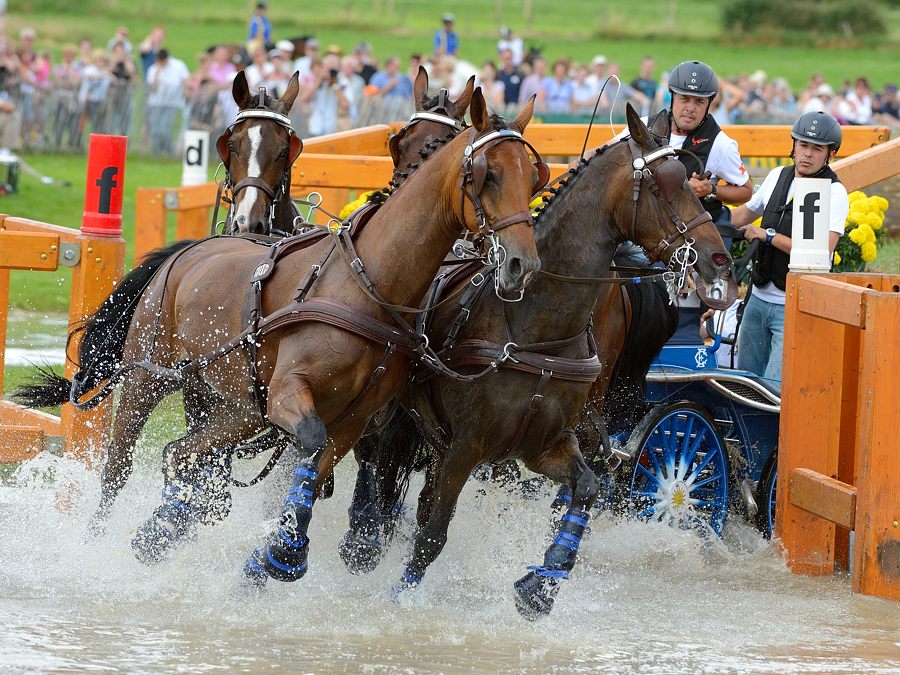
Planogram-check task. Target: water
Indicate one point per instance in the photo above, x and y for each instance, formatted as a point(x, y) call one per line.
point(643, 598)
point(34, 338)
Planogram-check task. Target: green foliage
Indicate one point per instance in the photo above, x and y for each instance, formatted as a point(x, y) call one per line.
point(846, 18)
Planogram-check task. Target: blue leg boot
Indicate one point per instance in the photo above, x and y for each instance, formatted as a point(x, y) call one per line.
point(171, 523)
point(283, 557)
point(536, 591)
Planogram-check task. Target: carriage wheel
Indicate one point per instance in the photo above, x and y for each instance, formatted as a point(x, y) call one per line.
point(765, 497)
point(680, 470)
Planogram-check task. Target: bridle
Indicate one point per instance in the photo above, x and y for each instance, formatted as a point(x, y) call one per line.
point(665, 181)
point(228, 191)
point(439, 113)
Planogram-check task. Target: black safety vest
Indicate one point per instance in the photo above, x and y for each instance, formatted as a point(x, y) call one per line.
point(700, 142)
point(770, 263)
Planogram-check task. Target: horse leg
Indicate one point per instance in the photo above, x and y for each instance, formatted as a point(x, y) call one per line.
point(141, 393)
point(291, 406)
point(446, 483)
point(190, 466)
point(360, 548)
point(561, 460)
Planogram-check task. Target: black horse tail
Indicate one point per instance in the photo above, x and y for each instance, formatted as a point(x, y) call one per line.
point(102, 343)
point(402, 449)
point(653, 322)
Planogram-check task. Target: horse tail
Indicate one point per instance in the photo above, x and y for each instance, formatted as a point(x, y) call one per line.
point(653, 322)
point(102, 343)
point(402, 449)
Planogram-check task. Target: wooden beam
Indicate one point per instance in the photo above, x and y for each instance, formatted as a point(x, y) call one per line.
point(754, 140)
point(832, 300)
point(869, 166)
point(371, 140)
point(20, 443)
point(29, 251)
point(826, 497)
point(14, 224)
point(13, 414)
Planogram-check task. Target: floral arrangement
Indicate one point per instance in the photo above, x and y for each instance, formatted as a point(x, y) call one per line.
point(355, 204)
point(863, 233)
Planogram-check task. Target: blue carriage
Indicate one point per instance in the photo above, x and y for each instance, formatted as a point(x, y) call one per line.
point(707, 444)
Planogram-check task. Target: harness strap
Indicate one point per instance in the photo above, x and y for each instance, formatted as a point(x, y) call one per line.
point(533, 407)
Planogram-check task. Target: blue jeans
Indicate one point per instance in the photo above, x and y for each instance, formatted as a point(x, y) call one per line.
point(761, 339)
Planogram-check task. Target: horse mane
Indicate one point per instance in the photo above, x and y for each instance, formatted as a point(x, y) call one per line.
point(379, 196)
point(571, 174)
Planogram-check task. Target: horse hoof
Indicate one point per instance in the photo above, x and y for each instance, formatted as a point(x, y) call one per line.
point(535, 595)
point(254, 575)
point(277, 560)
point(153, 541)
point(360, 554)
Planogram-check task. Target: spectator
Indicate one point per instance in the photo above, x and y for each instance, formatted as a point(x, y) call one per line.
point(415, 60)
point(10, 123)
point(259, 69)
point(150, 47)
point(64, 107)
point(726, 103)
point(509, 42)
point(645, 82)
point(511, 78)
point(816, 138)
point(94, 85)
point(598, 73)
point(886, 106)
point(584, 97)
point(628, 93)
point(490, 85)
point(365, 68)
point(353, 86)
point(391, 82)
point(279, 74)
point(27, 37)
point(821, 101)
point(165, 81)
point(121, 35)
point(815, 81)
point(446, 42)
point(326, 98)
point(85, 53)
point(286, 47)
point(532, 84)
point(857, 105)
point(303, 64)
point(259, 29)
point(124, 75)
point(558, 89)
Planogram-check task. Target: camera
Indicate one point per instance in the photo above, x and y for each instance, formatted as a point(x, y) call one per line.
point(332, 74)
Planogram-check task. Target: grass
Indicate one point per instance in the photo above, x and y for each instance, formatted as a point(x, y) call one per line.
point(670, 30)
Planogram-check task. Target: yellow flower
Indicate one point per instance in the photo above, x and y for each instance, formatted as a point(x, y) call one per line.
point(536, 202)
point(858, 236)
point(856, 195)
point(837, 258)
point(868, 251)
point(881, 203)
point(355, 204)
point(868, 231)
point(857, 215)
point(874, 219)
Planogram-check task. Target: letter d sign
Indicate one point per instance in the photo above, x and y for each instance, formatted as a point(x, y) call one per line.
point(195, 158)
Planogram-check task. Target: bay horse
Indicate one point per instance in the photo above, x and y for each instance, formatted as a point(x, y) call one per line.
point(316, 359)
point(540, 349)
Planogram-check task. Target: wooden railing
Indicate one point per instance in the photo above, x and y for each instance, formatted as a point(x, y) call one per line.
point(341, 164)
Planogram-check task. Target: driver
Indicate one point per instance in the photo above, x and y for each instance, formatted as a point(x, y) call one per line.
point(817, 137)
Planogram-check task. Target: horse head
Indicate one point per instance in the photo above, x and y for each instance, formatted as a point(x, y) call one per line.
point(257, 152)
point(498, 181)
point(437, 119)
point(665, 215)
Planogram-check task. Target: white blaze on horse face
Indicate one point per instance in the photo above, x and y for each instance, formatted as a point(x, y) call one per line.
point(251, 194)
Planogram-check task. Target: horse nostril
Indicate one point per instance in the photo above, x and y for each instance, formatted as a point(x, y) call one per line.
point(241, 220)
point(720, 259)
point(515, 268)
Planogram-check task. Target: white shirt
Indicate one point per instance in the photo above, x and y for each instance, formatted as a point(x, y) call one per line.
point(726, 326)
point(515, 46)
point(840, 207)
point(166, 84)
point(724, 158)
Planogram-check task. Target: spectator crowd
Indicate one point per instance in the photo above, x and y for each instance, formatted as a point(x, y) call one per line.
point(54, 104)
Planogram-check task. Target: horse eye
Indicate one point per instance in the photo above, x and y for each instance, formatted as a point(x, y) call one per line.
point(232, 148)
point(490, 177)
point(283, 154)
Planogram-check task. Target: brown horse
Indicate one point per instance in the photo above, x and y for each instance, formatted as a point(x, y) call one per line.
point(540, 349)
point(324, 366)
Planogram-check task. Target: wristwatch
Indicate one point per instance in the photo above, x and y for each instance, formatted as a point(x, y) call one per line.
point(770, 235)
point(714, 187)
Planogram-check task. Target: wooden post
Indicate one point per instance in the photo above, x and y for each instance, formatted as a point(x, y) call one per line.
point(4, 318)
point(192, 223)
point(809, 431)
point(876, 552)
point(150, 221)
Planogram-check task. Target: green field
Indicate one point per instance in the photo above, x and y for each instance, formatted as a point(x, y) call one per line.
point(670, 30)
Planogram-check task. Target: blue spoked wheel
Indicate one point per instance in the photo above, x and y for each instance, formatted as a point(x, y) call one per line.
point(765, 497)
point(680, 469)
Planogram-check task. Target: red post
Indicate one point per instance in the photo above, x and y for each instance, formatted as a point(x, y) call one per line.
point(105, 182)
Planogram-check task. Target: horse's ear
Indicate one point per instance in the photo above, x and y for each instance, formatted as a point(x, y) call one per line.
point(638, 130)
point(465, 98)
point(661, 127)
point(479, 111)
point(241, 91)
point(524, 116)
point(293, 88)
point(420, 88)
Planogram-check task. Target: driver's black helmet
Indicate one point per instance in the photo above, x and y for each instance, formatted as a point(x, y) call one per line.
point(694, 78)
point(818, 128)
